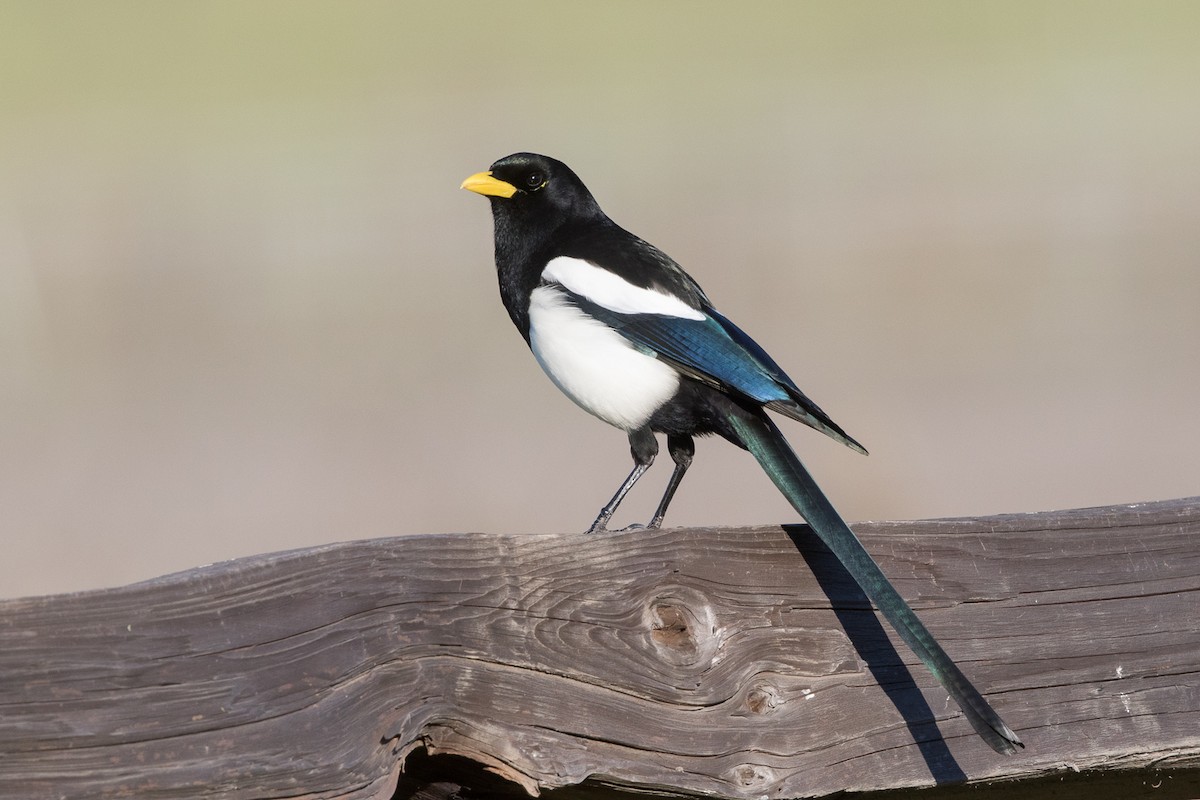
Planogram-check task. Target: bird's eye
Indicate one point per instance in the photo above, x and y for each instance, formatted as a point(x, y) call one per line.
point(535, 180)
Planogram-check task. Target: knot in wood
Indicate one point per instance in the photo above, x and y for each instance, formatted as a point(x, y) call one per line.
point(762, 699)
point(673, 629)
point(752, 776)
point(681, 627)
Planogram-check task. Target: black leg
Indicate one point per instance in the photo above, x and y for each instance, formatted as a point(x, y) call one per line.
point(644, 447)
point(682, 448)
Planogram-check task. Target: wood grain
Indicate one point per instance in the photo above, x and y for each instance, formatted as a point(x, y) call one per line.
point(742, 663)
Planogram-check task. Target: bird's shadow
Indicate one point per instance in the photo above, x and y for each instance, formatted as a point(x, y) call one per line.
point(866, 633)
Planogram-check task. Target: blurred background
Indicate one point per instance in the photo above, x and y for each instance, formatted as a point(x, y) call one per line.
point(244, 306)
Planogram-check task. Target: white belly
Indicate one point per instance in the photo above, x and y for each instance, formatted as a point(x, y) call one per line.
point(594, 365)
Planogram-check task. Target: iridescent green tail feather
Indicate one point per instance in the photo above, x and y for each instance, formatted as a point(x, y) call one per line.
point(763, 439)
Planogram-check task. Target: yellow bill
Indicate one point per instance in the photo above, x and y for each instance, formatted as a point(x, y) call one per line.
point(484, 183)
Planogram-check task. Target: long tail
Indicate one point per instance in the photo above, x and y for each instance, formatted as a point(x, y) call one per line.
point(766, 443)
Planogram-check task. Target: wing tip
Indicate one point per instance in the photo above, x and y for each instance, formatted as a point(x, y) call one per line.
point(819, 422)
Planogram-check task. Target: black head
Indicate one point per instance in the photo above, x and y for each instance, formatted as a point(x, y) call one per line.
point(528, 190)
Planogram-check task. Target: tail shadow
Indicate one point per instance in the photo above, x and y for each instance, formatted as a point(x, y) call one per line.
point(865, 631)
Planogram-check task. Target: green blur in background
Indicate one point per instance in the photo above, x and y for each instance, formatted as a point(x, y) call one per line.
point(244, 306)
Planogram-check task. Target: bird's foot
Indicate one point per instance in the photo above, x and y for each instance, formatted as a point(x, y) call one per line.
point(601, 528)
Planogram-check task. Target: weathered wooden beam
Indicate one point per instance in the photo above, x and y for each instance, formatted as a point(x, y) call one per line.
point(740, 663)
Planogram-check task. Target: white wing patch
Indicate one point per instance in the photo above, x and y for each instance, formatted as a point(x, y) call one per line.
point(607, 289)
point(594, 365)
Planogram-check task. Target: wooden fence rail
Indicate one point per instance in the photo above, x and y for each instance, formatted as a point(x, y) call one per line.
point(737, 663)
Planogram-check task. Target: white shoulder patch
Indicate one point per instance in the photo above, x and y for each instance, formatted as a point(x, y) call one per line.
point(607, 289)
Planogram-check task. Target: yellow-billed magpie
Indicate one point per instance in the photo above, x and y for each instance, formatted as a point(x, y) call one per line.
point(629, 336)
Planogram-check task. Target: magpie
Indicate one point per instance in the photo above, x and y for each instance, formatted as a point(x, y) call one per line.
point(631, 338)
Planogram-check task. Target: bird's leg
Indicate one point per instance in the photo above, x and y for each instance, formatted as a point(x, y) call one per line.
point(643, 447)
point(682, 448)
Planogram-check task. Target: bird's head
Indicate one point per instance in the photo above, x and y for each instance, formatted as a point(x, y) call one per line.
point(528, 190)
